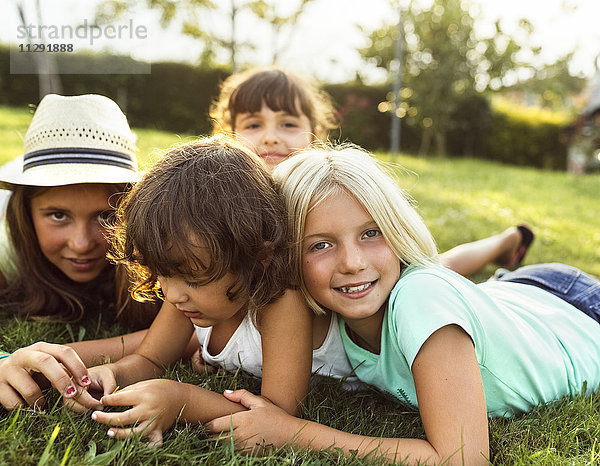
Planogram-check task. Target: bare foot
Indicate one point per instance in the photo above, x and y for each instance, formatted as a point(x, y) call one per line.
point(514, 246)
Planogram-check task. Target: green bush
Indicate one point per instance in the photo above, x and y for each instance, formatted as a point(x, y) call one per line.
point(526, 136)
point(360, 121)
point(471, 126)
point(175, 97)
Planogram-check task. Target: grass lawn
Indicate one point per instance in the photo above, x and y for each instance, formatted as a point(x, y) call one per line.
point(461, 200)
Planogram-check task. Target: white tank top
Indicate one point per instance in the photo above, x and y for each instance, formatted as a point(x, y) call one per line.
point(244, 351)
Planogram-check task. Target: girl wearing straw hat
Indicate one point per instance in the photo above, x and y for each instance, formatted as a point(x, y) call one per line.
point(79, 158)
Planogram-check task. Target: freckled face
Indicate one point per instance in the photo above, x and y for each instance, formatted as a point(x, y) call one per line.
point(68, 222)
point(274, 135)
point(347, 265)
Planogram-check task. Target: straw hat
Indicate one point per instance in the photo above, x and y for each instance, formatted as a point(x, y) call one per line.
point(75, 139)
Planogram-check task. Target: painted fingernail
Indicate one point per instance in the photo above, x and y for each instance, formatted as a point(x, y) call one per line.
point(228, 391)
point(71, 390)
point(85, 380)
point(110, 433)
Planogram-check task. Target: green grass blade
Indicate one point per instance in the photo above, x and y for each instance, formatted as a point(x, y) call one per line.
point(47, 454)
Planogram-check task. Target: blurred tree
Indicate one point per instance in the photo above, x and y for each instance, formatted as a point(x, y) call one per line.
point(552, 86)
point(192, 15)
point(444, 63)
point(47, 70)
point(197, 20)
point(268, 12)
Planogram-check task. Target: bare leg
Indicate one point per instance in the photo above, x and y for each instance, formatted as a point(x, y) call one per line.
point(468, 258)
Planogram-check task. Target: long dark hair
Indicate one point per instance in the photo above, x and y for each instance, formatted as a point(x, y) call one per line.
point(41, 291)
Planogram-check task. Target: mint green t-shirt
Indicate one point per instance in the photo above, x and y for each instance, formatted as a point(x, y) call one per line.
point(532, 347)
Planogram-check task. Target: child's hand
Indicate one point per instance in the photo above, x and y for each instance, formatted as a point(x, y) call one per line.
point(155, 403)
point(257, 430)
point(198, 363)
point(102, 382)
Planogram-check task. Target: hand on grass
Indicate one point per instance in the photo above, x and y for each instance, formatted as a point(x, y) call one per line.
point(262, 427)
point(155, 406)
point(22, 373)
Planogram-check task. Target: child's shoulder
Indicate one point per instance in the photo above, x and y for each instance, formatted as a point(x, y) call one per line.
point(290, 307)
point(430, 275)
point(425, 299)
point(429, 285)
point(290, 297)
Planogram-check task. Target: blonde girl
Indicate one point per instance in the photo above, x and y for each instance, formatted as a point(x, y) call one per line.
point(456, 351)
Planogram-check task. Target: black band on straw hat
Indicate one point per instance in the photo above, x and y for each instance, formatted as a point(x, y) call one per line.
point(77, 155)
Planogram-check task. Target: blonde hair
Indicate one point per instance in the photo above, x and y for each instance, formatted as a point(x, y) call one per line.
point(309, 177)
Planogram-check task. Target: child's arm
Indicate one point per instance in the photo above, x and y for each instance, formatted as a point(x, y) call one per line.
point(451, 403)
point(286, 332)
point(94, 352)
point(163, 345)
point(30, 369)
point(152, 412)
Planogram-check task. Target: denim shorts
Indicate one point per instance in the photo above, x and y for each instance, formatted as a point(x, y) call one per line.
point(568, 283)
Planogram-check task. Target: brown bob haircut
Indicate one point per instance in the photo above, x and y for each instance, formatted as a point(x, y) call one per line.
point(280, 90)
point(209, 198)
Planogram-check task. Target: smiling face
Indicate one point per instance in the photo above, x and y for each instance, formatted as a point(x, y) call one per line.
point(68, 222)
point(274, 135)
point(347, 265)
